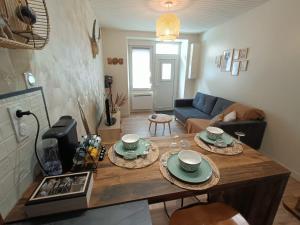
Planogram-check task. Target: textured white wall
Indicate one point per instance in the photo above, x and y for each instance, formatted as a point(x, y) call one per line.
point(65, 68)
point(67, 71)
point(17, 160)
point(272, 34)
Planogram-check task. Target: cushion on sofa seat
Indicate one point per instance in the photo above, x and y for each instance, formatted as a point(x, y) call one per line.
point(220, 106)
point(183, 113)
point(196, 125)
point(244, 112)
point(204, 102)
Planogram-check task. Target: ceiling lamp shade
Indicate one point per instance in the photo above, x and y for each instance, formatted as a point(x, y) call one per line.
point(167, 27)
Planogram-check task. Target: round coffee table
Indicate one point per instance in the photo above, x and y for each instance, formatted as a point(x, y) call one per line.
point(160, 118)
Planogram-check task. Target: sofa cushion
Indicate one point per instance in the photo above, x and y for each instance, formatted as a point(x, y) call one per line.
point(204, 102)
point(220, 106)
point(244, 112)
point(196, 125)
point(183, 113)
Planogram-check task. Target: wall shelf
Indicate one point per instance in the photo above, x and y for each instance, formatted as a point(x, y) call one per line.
point(26, 36)
point(6, 43)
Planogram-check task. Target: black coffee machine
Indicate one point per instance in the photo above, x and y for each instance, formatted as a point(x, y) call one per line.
point(64, 130)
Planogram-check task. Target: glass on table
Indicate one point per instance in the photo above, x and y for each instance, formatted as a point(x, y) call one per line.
point(174, 145)
point(239, 135)
point(184, 144)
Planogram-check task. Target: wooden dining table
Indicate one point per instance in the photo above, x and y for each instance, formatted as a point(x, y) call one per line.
point(250, 182)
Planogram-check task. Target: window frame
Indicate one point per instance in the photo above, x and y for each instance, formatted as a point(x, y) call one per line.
point(168, 43)
point(150, 48)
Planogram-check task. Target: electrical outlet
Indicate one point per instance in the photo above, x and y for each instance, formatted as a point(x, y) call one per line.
point(19, 125)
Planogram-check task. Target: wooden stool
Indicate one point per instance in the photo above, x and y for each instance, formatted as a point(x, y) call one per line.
point(209, 214)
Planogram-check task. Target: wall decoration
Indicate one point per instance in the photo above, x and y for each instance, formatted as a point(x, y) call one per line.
point(227, 60)
point(24, 24)
point(243, 53)
point(243, 65)
point(236, 54)
point(218, 61)
point(99, 33)
point(109, 61)
point(5, 31)
point(94, 43)
point(115, 61)
point(235, 68)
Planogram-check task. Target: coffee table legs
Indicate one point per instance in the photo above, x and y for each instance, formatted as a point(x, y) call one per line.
point(150, 125)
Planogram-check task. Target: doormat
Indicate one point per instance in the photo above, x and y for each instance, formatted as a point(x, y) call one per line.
point(168, 112)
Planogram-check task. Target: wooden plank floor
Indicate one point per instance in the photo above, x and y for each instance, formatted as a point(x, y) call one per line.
point(138, 123)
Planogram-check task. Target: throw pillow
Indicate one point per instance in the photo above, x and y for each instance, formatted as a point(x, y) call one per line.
point(216, 119)
point(244, 112)
point(230, 117)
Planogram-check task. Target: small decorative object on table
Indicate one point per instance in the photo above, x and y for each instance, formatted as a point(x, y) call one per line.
point(119, 101)
point(88, 153)
point(61, 193)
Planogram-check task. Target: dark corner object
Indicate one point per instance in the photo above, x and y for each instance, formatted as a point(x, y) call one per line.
point(109, 119)
point(64, 130)
point(205, 106)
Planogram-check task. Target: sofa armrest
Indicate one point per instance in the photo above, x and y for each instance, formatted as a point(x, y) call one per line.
point(254, 130)
point(183, 102)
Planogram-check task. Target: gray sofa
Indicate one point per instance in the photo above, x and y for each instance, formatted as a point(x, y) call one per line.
point(205, 106)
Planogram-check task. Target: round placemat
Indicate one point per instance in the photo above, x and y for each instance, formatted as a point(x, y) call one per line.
point(137, 163)
point(230, 150)
point(201, 186)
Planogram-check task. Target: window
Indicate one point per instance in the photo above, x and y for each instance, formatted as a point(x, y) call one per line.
point(141, 68)
point(166, 71)
point(167, 48)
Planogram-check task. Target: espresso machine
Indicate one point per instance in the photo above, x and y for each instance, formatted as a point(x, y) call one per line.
point(64, 130)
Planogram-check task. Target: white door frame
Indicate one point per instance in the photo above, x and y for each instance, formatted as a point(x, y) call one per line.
point(157, 78)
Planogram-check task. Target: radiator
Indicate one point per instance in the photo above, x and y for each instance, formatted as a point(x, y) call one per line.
point(142, 101)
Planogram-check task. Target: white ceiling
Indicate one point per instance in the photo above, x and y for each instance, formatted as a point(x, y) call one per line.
point(195, 15)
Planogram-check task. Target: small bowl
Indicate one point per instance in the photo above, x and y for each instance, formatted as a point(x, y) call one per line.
point(189, 160)
point(130, 141)
point(214, 133)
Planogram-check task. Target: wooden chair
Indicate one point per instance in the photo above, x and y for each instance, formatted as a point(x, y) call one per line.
point(208, 214)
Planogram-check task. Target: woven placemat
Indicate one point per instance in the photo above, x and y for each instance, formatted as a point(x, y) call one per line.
point(230, 150)
point(137, 163)
point(166, 174)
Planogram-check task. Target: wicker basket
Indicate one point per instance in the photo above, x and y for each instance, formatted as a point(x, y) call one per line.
point(26, 36)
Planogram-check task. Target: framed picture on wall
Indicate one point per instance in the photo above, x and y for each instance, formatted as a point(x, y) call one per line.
point(243, 53)
point(235, 68)
point(236, 54)
point(227, 60)
point(244, 65)
point(218, 60)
